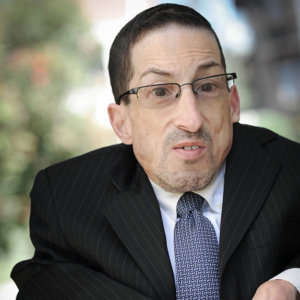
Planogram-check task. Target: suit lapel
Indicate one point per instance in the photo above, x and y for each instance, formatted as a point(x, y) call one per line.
point(250, 174)
point(135, 217)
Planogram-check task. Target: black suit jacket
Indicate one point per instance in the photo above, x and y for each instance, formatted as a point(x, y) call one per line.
point(97, 229)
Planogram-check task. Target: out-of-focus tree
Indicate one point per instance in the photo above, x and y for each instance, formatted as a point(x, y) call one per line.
point(45, 50)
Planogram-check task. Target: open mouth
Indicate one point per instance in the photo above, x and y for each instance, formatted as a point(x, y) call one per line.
point(191, 147)
point(189, 150)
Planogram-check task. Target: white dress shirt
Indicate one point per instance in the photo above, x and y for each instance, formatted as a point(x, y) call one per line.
point(212, 209)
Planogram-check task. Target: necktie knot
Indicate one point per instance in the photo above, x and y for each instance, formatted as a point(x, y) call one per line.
point(188, 202)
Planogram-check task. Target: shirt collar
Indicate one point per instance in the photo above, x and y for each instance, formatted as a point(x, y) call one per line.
point(213, 194)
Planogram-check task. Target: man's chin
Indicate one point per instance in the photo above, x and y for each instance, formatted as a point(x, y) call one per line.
point(184, 182)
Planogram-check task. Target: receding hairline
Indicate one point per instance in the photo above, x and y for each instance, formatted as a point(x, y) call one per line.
point(147, 31)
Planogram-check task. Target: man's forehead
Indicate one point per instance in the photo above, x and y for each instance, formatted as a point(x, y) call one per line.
point(174, 53)
point(172, 29)
point(175, 42)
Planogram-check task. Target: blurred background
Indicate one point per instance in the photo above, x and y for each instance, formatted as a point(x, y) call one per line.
point(54, 86)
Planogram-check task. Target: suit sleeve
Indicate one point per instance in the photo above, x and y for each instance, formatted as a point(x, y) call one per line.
point(56, 271)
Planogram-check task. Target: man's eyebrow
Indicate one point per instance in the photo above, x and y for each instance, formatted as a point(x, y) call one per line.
point(161, 72)
point(209, 65)
point(155, 71)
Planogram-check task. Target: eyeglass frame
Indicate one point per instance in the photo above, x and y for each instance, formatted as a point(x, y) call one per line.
point(134, 91)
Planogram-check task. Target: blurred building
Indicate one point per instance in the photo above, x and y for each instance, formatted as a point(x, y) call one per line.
point(275, 63)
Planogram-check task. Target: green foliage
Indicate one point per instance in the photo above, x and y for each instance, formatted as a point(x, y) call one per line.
point(44, 52)
point(30, 22)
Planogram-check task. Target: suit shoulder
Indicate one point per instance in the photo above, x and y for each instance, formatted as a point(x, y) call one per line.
point(262, 135)
point(100, 160)
point(285, 151)
point(113, 151)
point(280, 148)
point(257, 134)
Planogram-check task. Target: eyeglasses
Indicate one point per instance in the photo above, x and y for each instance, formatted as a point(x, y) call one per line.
point(206, 89)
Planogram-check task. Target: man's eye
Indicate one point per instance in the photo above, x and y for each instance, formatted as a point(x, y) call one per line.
point(160, 92)
point(207, 87)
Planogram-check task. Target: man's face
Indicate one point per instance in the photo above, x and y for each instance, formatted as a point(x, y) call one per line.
point(182, 146)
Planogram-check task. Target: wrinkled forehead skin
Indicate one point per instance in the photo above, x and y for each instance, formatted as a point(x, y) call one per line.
point(151, 32)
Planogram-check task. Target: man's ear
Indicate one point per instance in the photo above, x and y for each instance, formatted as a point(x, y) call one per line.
point(120, 122)
point(235, 104)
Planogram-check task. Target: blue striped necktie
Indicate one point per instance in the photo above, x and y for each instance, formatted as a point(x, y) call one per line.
point(196, 251)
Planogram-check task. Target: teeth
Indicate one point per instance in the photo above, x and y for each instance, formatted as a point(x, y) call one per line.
point(191, 147)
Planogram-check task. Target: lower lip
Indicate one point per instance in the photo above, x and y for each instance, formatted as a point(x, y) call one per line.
point(189, 154)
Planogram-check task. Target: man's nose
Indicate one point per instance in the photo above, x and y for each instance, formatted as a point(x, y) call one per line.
point(188, 115)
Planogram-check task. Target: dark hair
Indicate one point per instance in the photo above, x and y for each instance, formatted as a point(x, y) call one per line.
point(119, 66)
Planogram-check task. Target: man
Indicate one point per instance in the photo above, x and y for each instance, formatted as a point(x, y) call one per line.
point(105, 226)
